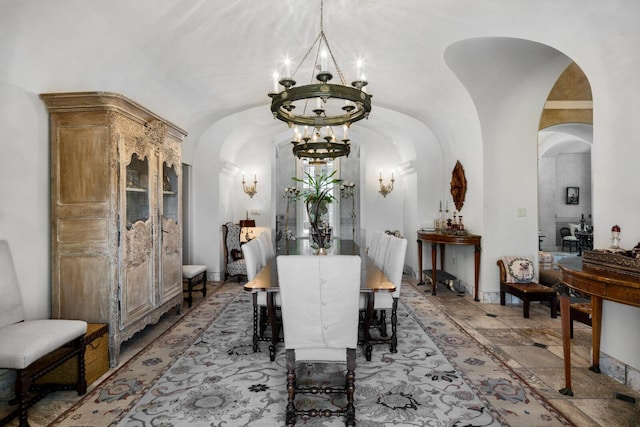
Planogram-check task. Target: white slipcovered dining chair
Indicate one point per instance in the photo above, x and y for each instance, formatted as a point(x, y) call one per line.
point(266, 252)
point(373, 244)
point(320, 297)
point(252, 257)
point(392, 268)
point(267, 244)
point(381, 250)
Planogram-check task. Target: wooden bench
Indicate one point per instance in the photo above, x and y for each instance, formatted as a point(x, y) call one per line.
point(194, 275)
point(34, 348)
point(527, 292)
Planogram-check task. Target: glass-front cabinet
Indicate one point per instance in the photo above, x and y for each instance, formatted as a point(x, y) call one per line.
point(116, 231)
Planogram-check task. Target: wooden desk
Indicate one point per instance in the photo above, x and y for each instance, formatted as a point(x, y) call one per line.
point(600, 285)
point(443, 239)
point(372, 280)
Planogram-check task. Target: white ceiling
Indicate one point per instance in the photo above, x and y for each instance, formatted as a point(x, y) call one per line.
point(195, 62)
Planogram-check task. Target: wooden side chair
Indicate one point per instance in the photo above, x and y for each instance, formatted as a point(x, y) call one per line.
point(34, 348)
point(517, 278)
point(568, 239)
point(320, 296)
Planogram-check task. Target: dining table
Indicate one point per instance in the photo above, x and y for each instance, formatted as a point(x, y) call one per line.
point(372, 281)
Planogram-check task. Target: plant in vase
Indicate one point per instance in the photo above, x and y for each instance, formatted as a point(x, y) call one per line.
point(316, 193)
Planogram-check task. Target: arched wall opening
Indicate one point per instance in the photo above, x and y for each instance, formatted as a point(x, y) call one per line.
point(248, 142)
point(508, 80)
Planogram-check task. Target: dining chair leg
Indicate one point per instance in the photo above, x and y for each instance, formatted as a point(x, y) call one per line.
point(367, 324)
point(255, 322)
point(394, 326)
point(383, 323)
point(291, 387)
point(275, 329)
point(351, 387)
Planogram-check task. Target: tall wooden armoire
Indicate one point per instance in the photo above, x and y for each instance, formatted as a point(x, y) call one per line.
point(116, 231)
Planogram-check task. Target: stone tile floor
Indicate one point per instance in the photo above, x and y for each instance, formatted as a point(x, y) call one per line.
point(532, 347)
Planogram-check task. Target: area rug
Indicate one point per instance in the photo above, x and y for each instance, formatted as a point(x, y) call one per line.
point(202, 372)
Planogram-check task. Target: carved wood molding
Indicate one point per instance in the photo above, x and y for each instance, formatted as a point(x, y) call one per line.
point(155, 131)
point(173, 155)
point(171, 233)
point(458, 185)
point(139, 243)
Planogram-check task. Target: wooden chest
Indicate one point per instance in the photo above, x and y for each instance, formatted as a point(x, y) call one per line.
point(96, 358)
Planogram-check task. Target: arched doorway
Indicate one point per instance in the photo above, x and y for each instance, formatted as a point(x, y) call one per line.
point(564, 157)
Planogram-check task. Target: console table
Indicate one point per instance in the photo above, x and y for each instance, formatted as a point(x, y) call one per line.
point(443, 239)
point(600, 285)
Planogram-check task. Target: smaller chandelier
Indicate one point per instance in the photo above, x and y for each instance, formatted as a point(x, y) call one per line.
point(322, 105)
point(318, 148)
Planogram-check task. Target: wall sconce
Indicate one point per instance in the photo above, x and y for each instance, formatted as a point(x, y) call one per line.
point(386, 188)
point(250, 190)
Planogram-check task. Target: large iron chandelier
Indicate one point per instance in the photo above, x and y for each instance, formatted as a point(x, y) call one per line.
point(324, 104)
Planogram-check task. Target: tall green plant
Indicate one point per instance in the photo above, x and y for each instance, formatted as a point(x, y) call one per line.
point(316, 193)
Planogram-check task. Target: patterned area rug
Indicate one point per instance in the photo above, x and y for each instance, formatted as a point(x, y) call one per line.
point(202, 372)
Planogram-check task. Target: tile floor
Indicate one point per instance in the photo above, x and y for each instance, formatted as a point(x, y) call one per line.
point(532, 347)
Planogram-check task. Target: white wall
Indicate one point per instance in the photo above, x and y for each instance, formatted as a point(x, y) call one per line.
point(24, 194)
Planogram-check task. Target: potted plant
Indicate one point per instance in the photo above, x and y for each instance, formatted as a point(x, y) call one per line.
point(316, 194)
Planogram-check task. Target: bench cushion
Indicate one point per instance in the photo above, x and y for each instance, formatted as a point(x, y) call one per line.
point(189, 271)
point(23, 343)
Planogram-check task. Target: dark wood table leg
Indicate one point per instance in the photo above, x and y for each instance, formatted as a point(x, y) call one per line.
point(421, 280)
point(275, 329)
point(477, 269)
point(434, 267)
point(596, 331)
point(566, 343)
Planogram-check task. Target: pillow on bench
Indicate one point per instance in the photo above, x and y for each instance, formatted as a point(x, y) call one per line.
point(519, 269)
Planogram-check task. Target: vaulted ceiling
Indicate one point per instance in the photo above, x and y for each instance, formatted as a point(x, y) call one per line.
point(196, 62)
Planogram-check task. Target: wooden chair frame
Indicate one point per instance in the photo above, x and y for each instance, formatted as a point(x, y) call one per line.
point(527, 292)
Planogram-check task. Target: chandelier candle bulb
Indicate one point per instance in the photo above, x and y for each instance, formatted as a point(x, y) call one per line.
point(323, 60)
point(287, 67)
point(275, 82)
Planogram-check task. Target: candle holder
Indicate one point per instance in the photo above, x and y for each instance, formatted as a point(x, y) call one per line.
point(386, 188)
point(250, 190)
point(347, 191)
point(615, 237)
point(291, 194)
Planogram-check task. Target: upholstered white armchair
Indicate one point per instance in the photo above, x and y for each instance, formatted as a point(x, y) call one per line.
point(23, 342)
point(320, 296)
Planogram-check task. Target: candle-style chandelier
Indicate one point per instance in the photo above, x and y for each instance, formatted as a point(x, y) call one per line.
point(324, 104)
